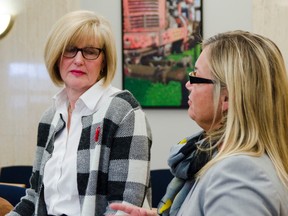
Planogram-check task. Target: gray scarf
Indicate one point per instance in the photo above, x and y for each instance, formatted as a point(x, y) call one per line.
point(185, 161)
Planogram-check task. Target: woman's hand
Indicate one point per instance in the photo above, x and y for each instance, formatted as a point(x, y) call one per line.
point(132, 210)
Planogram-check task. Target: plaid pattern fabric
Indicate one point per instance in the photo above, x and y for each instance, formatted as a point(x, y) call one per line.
point(113, 161)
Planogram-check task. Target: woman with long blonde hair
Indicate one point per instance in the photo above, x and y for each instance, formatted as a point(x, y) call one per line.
point(239, 97)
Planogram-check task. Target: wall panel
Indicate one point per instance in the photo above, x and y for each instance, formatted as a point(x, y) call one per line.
point(25, 87)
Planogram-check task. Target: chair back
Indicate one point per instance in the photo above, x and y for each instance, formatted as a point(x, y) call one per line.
point(160, 179)
point(12, 193)
point(16, 175)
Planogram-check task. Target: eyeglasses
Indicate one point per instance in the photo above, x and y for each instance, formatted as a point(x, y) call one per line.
point(194, 79)
point(89, 53)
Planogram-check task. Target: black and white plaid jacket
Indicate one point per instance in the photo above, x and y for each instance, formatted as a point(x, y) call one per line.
point(113, 159)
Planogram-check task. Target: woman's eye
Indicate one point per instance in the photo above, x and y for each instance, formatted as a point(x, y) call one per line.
point(70, 49)
point(91, 51)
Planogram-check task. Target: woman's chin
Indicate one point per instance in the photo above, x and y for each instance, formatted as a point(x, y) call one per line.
point(191, 114)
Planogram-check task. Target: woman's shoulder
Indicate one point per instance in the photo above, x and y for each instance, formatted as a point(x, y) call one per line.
point(239, 185)
point(246, 166)
point(244, 171)
point(244, 162)
point(125, 96)
point(48, 114)
point(123, 101)
point(248, 184)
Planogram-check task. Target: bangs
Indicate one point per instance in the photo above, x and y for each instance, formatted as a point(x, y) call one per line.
point(87, 35)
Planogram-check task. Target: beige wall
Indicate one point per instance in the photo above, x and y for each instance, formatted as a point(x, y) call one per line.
point(26, 90)
point(270, 19)
point(25, 87)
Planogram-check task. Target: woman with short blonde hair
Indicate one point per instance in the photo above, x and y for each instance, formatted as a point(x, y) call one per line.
point(94, 141)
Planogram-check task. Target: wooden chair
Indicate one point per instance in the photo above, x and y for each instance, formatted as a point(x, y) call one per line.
point(5, 206)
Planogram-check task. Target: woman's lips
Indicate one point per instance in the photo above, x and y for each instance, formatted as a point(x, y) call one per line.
point(189, 101)
point(77, 72)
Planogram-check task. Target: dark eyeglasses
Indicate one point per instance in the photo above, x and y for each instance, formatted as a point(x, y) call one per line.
point(194, 79)
point(89, 53)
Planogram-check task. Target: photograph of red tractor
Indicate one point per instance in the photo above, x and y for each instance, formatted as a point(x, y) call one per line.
point(160, 42)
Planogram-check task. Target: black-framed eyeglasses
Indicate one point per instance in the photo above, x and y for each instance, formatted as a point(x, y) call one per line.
point(89, 53)
point(194, 79)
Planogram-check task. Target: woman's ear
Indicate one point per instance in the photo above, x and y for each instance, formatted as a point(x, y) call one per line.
point(225, 100)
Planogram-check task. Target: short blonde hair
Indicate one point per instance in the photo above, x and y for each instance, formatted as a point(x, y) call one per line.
point(78, 26)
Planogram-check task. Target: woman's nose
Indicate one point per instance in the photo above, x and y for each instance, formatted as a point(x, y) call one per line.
point(188, 85)
point(79, 57)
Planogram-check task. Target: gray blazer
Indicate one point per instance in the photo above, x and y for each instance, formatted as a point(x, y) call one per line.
point(239, 186)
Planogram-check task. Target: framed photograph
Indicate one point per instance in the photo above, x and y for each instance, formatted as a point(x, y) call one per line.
point(160, 44)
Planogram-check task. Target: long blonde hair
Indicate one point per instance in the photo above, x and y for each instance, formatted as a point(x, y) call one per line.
point(253, 70)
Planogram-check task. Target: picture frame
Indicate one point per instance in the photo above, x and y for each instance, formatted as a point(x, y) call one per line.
point(160, 45)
